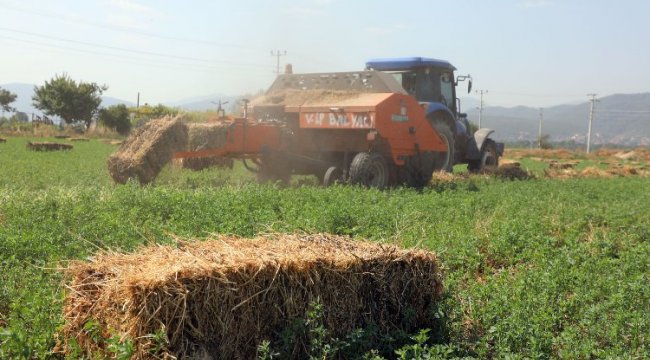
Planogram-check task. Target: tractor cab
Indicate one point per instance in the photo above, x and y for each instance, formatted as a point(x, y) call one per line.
point(428, 80)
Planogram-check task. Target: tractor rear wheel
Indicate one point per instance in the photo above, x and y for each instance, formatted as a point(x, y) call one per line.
point(489, 158)
point(445, 161)
point(370, 169)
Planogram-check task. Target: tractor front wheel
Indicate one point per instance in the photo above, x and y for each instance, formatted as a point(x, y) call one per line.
point(489, 158)
point(370, 169)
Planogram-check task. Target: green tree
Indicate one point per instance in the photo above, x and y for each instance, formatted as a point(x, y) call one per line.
point(6, 98)
point(116, 117)
point(544, 141)
point(20, 117)
point(147, 112)
point(70, 100)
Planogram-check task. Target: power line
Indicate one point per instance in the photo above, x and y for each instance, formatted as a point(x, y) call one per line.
point(480, 111)
point(593, 101)
point(541, 117)
point(134, 60)
point(143, 52)
point(277, 54)
point(68, 19)
point(123, 58)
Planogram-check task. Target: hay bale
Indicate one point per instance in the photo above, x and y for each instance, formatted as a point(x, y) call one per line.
point(79, 139)
point(562, 165)
point(204, 136)
point(226, 295)
point(510, 172)
point(201, 163)
point(147, 150)
point(3, 140)
point(591, 171)
point(48, 146)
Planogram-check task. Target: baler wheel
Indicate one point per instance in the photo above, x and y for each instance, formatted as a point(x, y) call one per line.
point(332, 176)
point(370, 169)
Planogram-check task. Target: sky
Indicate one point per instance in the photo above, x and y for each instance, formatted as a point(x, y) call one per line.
point(523, 52)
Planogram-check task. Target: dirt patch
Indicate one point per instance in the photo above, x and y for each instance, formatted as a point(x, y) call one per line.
point(222, 297)
point(48, 146)
point(148, 150)
point(512, 171)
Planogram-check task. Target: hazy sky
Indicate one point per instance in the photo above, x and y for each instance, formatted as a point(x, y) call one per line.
point(524, 52)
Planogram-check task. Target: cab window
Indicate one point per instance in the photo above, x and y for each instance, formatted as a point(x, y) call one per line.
point(447, 89)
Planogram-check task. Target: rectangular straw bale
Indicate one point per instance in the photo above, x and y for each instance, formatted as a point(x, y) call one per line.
point(48, 146)
point(224, 296)
point(205, 136)
point(148, 150)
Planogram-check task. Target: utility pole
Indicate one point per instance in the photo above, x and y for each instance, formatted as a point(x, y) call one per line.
point(277, 54)
point(480, 109)
point(137, 103)
point(593, 101)
point(539, 133)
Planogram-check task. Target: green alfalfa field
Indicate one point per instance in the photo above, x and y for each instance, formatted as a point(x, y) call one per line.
point(541, 268)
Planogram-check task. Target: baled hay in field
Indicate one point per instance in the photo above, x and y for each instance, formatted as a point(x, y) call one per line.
point(511, 171)
point(48, 146)
point(562, 165)
point(225, 296)
point(79, 139)
point(146, 151)
point(625, 155)
point(590, 171)
point(63, 136)
point(3, 140)
point(541, 153)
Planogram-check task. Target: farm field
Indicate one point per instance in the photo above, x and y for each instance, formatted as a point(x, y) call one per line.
point(551, 267)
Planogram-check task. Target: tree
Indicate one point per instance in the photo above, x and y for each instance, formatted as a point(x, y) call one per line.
point(116, 117)
point(545, 141)
point(69, 100)
point(6, 98)
point(20, 117)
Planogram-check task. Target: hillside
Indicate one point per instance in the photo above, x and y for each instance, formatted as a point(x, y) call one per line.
point(622, 119)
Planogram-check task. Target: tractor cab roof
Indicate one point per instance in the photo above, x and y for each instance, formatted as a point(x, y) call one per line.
point(407, 63)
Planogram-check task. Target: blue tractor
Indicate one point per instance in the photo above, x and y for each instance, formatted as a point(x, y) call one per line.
point(433, 84)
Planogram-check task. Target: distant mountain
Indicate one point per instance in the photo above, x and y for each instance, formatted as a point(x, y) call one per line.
point(622, 119)
point(202, 103)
